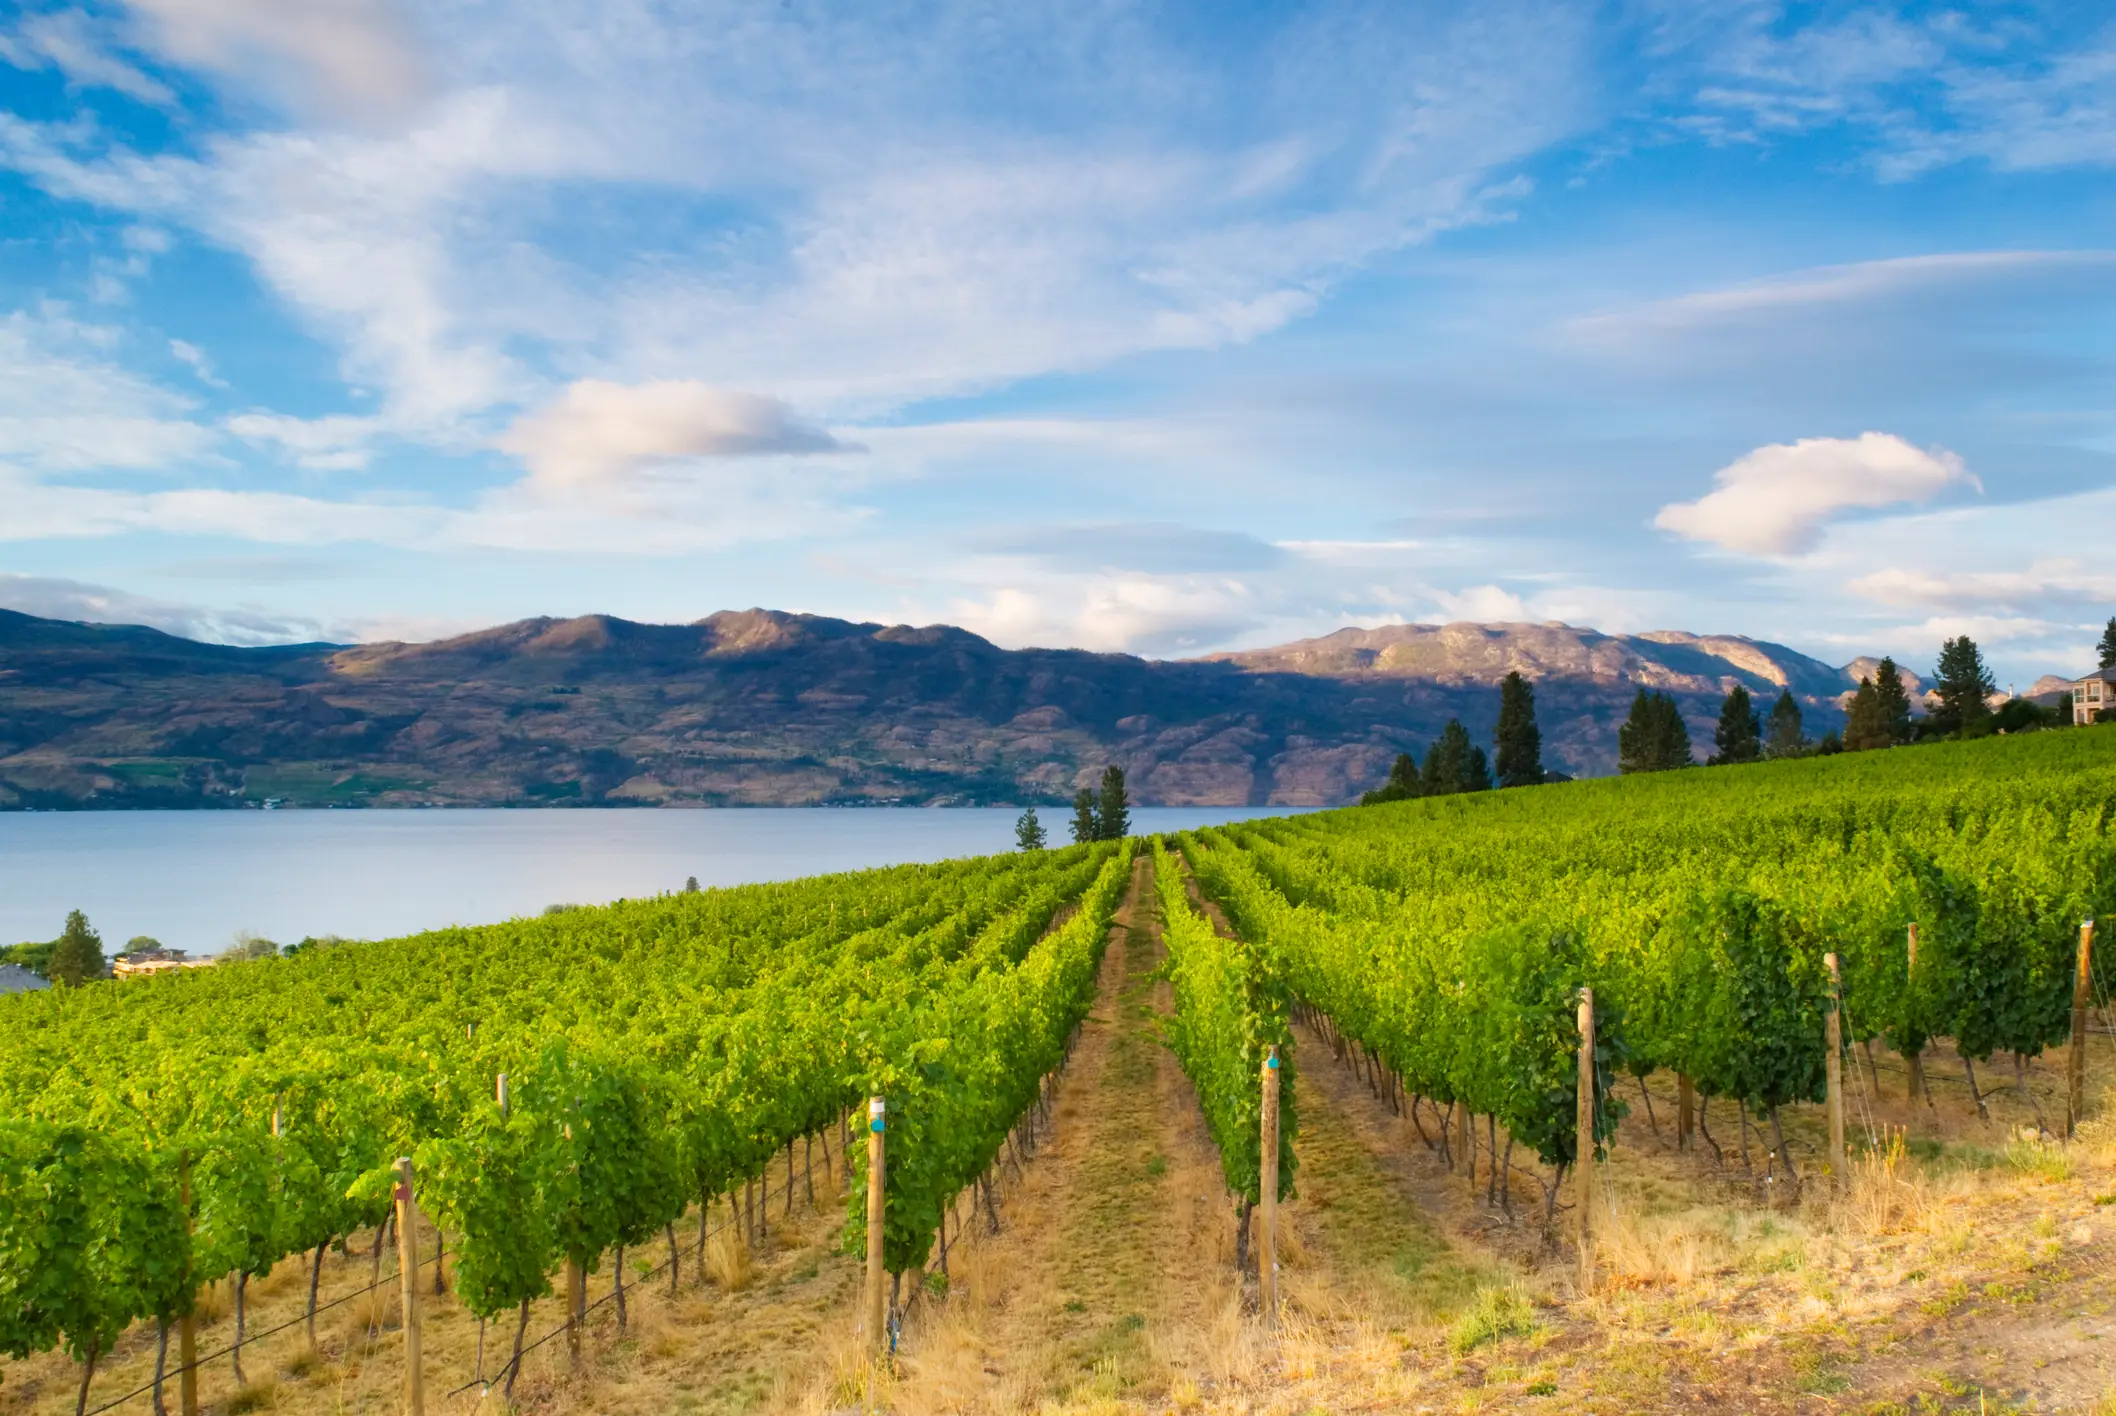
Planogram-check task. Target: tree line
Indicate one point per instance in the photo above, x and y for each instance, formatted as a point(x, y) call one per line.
point(1655, 738)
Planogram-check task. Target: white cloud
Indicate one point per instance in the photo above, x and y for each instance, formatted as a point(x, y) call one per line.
point(194, 358)
point(2020, 92)
point(894, 206)
point(1861, 282)
point(1125, 613)
point(76, 45)
point(336, 443)
point(64, 407)
point(52, 597)
point(1775, 501)
point(2062, 580)
point(353, 58)
point(1482, 603)
point(596, 430)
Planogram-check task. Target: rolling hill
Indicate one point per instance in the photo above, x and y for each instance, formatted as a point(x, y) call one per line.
point(760, 707)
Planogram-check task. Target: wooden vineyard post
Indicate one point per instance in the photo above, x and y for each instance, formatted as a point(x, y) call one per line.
point(877, 1334)
point(1913, 1061)
point(187, 1326)
point(576, 1309)
point(2076, 1059)
point(408, 1273)
point(1685, 1110)
point(1586, 1141)
point(1267, 1191)
point(1833, 1065)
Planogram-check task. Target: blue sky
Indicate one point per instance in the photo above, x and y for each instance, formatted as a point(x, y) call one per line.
point(1154, 327)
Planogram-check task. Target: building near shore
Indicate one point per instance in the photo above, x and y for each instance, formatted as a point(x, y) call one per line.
point(16, 979)
point(151, 961)
point(2093, 695)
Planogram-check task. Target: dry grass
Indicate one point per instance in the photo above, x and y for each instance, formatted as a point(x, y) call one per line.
point(728, 1261)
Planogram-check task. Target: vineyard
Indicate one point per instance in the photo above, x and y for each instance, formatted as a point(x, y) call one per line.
point(1391, 1000)
point(566, 1088)
point(1449, 942)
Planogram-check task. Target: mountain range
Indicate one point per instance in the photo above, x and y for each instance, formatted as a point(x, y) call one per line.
point(760, 707)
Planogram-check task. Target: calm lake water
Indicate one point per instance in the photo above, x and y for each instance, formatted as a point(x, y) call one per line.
point(193, 878)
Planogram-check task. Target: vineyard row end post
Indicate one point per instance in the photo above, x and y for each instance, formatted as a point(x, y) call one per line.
point(1585, 1164)
point(1833, 1066)
point(1267, 1191)
point(187, 1326)
point(2076, 1059)
point(408, 1272)
point(877, 1334)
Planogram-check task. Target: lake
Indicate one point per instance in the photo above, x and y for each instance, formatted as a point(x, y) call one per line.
point(192, 879)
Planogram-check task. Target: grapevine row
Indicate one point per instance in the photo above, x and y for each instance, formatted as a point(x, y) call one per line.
point(172, 1132)
point(1451, 938)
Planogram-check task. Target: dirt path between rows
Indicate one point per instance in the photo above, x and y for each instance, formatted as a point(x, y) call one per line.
point(1106, 1275)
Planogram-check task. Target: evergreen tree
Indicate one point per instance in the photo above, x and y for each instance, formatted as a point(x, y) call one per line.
point(78, 955)
point(1963, 684)
point(1085, 826)
point(1113, 817)
point(1864, 727)
point(1402, 785)
point(1455, 764)
point(1892, 700)
point(1518, 742)
point(2107, 647)
point(1739, 736)
point(1786, 739)
point(1028, 832)
point(1634, 738)
point(1654, 738)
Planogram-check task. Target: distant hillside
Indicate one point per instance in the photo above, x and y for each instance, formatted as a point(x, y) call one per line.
point(759, 707)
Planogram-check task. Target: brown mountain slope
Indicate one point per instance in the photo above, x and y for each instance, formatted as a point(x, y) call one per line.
point(761, 707)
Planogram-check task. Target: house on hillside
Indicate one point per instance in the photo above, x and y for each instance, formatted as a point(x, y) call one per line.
point(2094, 694)
point(149, 961)
point(16, 979)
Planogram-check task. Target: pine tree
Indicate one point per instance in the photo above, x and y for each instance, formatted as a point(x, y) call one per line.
point(1113, 816)
point(78, 956)
point(1892, 700)
point(2107, 647)
point(1864, 727)
point(1672, 735)
point(1963, 684)
point(1455, 764)
point(1634, 739)
point(1402, 785)
point(1739, 737)
point(1403, 775)
point(1786, 739)
point(1028, 832)
point(1085, 826)
point(1518, 742)
point(1654, 738)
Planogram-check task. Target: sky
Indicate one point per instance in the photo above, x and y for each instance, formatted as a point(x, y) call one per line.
point(1157, 327)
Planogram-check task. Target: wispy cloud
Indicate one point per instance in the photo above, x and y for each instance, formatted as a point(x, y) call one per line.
point(83, 49)
point(54, 597)
point(67, 406)
point(1841, 286)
